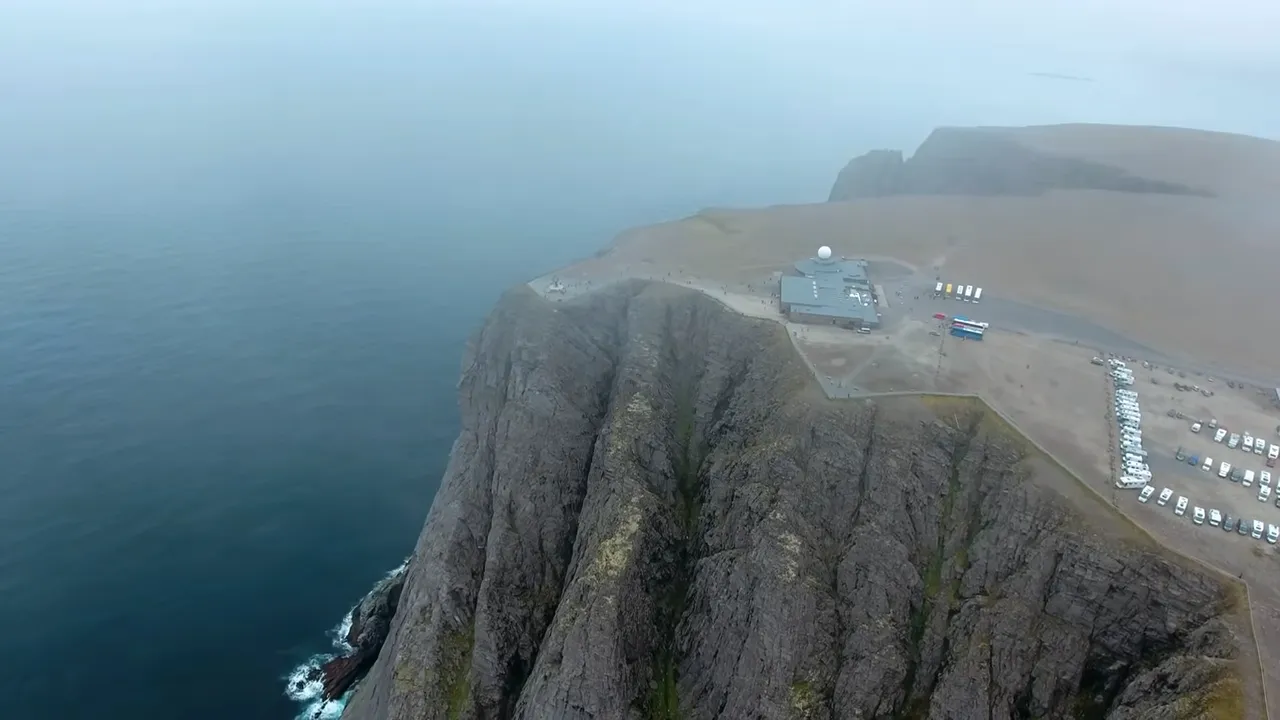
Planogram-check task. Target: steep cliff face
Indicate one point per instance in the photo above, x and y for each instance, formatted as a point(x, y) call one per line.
point(984, 161)
point(649, 514)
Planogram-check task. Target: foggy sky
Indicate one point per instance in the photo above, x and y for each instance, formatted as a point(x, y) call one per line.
point(691, 99)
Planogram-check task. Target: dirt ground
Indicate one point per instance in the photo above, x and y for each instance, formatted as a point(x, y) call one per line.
point(1073, 252)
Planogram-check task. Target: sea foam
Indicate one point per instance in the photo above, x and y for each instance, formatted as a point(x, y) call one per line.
point(306, 692)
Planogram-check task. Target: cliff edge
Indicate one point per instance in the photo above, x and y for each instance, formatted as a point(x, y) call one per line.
point(650, 512)
point(992, 161)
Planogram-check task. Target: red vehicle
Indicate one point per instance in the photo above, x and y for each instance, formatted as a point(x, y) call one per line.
point(939, 316)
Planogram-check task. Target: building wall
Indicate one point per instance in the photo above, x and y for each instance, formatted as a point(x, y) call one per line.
point(810, 319)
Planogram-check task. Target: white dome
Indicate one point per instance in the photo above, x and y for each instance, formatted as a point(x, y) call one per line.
point(824, 253)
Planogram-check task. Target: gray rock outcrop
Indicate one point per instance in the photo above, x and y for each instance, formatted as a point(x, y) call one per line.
point(983, 161)
point(650, 512)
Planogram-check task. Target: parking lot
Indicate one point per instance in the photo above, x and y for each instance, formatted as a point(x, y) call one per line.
point(1236, 410)
point(1239, 410)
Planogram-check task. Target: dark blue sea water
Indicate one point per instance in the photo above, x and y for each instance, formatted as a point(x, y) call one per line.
point(241, 248)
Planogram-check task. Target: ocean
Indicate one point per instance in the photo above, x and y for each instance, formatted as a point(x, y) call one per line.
point(241, 249)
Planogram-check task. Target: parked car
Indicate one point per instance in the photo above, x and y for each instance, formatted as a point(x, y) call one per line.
point(1257, 529)
point(1243, 526)
point(1197, 516)
point(1215, 518)
point(1195, 427)
point(1229, 523)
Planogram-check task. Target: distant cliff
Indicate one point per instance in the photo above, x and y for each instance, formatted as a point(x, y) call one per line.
point(984, 161)
point(650, 513)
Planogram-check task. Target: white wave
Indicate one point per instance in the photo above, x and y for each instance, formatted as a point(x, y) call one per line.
point(307, 692)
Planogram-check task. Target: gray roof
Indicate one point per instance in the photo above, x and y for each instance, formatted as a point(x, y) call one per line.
point(849, 270)
point(828, 296)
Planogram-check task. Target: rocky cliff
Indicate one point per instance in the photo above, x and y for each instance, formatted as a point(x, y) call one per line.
point(984, 161)
point(650, 513)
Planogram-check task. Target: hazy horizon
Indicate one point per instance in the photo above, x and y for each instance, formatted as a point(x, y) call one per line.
point(485, 103)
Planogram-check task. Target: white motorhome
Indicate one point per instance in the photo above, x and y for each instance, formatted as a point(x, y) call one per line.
point(1274, 451)
point(968, 293)
point(977, 294)
point(1219, 435)
point(1234, 441)
point(1224, 469)
point(1247, 480)
point(1264, 493)
point(1130, 483)
point(1259, 446)
point(1248, 443)
point(1208, 464)
point(937, 290)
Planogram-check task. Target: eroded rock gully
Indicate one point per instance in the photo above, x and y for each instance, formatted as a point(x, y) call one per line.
point(649, 513)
